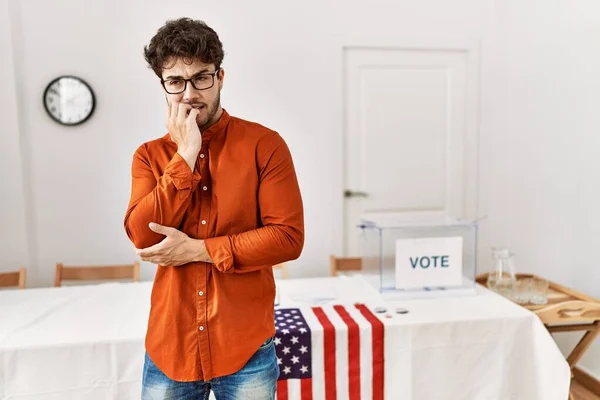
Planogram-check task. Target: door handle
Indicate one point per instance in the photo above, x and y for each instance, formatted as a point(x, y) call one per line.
point(351, 193)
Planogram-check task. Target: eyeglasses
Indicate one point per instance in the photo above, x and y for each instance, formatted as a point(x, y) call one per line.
point(199, 82)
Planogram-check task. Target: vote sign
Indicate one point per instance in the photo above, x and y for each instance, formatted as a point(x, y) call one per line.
point(429, 262)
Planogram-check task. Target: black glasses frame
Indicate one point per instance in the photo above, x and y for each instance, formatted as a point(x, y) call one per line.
point(213, 75)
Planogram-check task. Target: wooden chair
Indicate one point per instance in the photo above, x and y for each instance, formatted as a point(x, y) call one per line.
point(283, 268)
point(85, 273)
point(13, 279)
point(344, 264)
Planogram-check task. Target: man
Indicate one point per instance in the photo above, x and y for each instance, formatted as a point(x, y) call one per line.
point(215, 203)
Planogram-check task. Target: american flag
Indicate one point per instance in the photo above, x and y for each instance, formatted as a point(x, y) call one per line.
point(330, 352)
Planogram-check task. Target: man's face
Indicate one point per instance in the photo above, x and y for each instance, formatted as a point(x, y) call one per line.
point(208, 101)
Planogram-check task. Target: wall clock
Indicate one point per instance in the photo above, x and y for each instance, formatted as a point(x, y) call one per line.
point(69, 100)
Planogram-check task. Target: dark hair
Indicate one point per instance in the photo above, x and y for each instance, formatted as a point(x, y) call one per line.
point(186, 39)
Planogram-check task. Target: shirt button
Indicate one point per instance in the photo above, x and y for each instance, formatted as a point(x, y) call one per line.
point(201, 328)
point(203, 222)
point(204, 188)
point(200, 293)
point(201, 155)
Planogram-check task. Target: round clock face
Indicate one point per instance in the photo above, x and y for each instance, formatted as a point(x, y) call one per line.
point(69, 100)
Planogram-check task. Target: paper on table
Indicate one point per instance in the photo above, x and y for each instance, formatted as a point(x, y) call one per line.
point(316, 296)
point(313, 299)
point(320, 291)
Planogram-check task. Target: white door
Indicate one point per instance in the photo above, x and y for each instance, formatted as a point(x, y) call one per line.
point(410, 131)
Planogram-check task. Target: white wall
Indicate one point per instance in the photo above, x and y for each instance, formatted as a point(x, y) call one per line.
point(538, 136)
point(546, 94)
point(282, 69)
point(13, 243)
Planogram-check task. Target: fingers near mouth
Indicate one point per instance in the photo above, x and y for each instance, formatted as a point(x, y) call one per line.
point(198, 107)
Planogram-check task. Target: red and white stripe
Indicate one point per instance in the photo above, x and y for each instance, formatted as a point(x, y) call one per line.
point(347, 356)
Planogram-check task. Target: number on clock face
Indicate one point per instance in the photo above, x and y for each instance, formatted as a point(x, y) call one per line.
point(69, 100)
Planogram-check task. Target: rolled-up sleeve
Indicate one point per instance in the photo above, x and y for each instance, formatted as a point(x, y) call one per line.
point(281, 236)
point(163, 200)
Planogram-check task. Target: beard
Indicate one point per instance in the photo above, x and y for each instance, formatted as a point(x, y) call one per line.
point(208, 115)
point(208, 112)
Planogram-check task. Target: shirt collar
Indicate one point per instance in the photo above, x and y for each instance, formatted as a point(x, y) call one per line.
point(217, 128)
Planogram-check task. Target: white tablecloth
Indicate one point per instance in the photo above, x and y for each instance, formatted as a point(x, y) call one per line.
point(88, 343)
point(73, 342)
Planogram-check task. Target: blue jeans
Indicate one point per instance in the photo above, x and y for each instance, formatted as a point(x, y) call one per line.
point(257, 380)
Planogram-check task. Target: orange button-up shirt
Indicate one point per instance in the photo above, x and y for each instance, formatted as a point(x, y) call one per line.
point(207, 319)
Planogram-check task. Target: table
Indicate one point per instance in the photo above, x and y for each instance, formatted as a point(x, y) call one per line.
point(567, 310)
point(87, 343)
point(471, 347)
point(73, 342)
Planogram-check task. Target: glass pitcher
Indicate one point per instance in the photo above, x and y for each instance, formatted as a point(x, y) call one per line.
point(502, 278)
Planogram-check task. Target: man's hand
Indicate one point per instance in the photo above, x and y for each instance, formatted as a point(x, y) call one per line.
point(182, 126)
point(175, 250)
